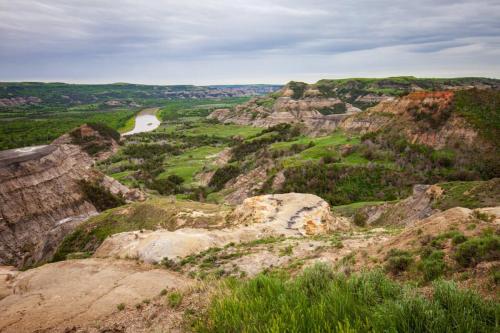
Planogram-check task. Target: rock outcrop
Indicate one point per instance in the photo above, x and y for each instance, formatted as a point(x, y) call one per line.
point(407, 211)
point(307, 214)
point(291, 214)
point(40, 199)
point(287, 110)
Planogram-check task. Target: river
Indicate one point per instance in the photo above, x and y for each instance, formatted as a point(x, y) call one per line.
point(145, 121)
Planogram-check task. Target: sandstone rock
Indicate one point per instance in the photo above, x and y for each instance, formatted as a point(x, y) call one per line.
point(308, 214)
point(77, 292)
point(290, 214)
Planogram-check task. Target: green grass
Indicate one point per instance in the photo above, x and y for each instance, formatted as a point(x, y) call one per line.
point(320, 300)
point(480, 108)
point(354, 159)
point(223, 131)
point(174, 299)
point(351, 209)
point(189, 163)
point(326, 146)
point(472, 194)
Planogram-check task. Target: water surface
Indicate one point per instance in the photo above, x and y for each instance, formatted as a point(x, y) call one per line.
point(145, 121)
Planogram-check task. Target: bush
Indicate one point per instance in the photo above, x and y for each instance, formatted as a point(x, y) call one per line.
point(398, 261)
point(222, 176)
point(105, 131)
point(100, 196)
point(360, 218)
point(174, 299)
point(298, 89)
point(477, 249)
point(175, 179)
point(320, 300)
point(432, 265)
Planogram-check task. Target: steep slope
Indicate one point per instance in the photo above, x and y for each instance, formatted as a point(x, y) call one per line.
point(41, 194)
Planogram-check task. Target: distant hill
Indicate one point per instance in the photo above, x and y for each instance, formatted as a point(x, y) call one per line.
point(36, 94)
point(322, 105)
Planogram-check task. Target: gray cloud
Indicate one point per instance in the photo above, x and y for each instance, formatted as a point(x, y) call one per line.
point(218, 41)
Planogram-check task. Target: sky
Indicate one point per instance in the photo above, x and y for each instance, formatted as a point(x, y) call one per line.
point(235, 41)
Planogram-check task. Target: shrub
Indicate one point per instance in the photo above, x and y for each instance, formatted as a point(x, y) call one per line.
point(458, 239)
point(398, 261)
point(298, 89)
point(360, 218)
point(105, 131)
point(477, 249)
point(175, 179)
point(165, 186)
point(100, 196)
point(169, 263)
point(286, 251)
point(432, 265)
point(222, 176)
point(121, 306)
point(174, 299)
point(483, 216)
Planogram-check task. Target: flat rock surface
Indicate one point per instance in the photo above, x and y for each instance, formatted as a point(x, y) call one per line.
point(75, 292)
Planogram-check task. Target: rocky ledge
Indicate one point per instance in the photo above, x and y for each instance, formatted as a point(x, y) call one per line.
point(290, 215)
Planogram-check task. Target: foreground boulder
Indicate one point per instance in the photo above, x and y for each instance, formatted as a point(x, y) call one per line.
point(290, 215)
point(77, 292)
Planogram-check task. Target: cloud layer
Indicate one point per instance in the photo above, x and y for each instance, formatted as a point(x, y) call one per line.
point(236, 41)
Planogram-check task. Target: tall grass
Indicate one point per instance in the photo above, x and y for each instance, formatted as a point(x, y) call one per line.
point(321, 300)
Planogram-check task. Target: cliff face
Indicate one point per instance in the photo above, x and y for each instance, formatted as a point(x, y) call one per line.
point(41, 201)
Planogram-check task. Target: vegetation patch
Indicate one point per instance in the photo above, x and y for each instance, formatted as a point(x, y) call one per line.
point(341, 185)
point(480, 108)
point(222, 176)
point(320, 300)
point(472, 194)
point(477, 249)
point(100, 196)
point(398, 261)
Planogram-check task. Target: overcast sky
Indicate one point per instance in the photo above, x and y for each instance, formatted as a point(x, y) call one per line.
point(245, 41)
